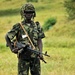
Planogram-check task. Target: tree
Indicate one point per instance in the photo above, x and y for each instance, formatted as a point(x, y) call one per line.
point(70, 8)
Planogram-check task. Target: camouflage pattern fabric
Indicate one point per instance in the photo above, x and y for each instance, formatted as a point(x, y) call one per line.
point(27, 8)
point(24, 65)
point(34, 31)
point(27, 60)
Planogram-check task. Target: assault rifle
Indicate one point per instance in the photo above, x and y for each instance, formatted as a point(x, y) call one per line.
point(20, 48)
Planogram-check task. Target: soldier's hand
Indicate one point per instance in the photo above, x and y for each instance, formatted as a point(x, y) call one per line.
point(15, 50)
point(40, 56)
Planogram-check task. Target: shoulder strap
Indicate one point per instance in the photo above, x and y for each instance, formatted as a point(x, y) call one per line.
point(27, 35)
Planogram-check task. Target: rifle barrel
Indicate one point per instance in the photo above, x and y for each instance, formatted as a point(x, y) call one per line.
point(38, 52)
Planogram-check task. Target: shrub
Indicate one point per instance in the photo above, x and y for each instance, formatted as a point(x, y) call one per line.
point(49, 23)
point(32, 0)
point(70, 8)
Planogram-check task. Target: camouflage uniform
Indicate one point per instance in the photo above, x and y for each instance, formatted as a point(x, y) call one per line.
point(27, 59)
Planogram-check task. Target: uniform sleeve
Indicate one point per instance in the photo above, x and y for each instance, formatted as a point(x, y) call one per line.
point(40, 31)
point(11, 34)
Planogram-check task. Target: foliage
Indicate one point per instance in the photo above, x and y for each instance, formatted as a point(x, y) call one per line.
point(70, 8)
point(49, 23)
point(8, 0)
point(32, 0)
point(9, 12)
point(38, 0)
point(2, 48)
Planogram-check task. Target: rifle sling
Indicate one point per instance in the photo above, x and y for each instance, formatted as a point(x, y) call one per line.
point(27, 36)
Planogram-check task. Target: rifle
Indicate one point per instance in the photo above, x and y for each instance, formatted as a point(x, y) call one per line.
point(21, 47)
point(38, 53)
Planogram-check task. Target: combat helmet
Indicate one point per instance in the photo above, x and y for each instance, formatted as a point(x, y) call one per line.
point(27, 8)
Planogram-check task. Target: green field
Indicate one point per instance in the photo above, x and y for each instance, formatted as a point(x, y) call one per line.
point(59, 40)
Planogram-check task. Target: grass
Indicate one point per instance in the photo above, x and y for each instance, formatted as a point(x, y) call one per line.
point(59, 40)
point(61, 62)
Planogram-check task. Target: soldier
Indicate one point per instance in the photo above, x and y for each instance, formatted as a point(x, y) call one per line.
point(26, 59)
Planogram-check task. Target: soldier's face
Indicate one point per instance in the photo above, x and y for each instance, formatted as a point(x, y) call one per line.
point(28, 15)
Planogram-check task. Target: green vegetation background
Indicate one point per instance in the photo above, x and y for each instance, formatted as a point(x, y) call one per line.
point(59, 41)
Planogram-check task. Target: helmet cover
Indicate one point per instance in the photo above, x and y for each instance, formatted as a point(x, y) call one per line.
point(27, 8)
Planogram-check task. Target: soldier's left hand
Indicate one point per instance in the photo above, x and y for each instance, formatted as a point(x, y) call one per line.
point(40, 56)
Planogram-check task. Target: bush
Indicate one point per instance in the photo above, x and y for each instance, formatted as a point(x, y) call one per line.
point(49, 23)
point(32, 0)
point(70, 8)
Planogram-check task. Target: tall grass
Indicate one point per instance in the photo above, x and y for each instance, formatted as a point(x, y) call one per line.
point(59, 40)
point(61, 62)
point(8, 61)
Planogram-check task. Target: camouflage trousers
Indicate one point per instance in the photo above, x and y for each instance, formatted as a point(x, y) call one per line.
point(25, 65)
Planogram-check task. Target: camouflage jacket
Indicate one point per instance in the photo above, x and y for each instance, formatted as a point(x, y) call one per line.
point(33, 29)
